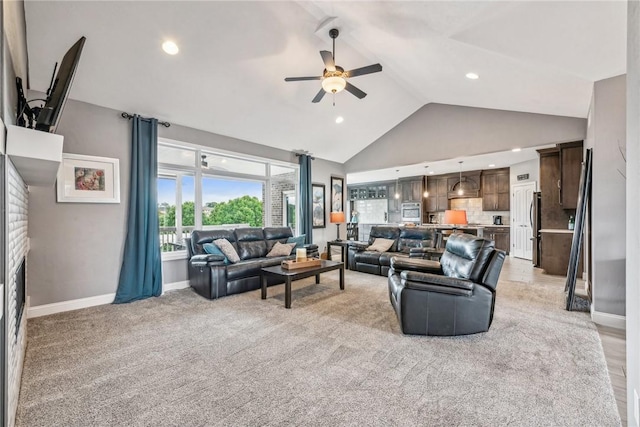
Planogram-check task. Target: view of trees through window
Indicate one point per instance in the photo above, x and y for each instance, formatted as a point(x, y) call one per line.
point(231, 192)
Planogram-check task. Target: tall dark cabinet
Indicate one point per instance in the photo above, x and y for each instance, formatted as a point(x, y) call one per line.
point(560, 169)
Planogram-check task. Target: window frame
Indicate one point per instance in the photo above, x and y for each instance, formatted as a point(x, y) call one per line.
point(178, 171)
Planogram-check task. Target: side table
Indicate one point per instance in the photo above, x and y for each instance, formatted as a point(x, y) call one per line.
point(344, 246)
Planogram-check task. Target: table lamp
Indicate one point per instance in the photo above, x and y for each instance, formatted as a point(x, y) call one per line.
point(337, 218)
point(455, 217)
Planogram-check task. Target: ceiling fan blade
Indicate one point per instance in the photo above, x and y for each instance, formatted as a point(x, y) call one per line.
point(355, 91)
point(299, 79)
point(364, 70)
point(319, 96)
point(327, 58)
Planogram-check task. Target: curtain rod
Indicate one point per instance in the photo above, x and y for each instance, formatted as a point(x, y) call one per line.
point(301, 154)
point(130, 116)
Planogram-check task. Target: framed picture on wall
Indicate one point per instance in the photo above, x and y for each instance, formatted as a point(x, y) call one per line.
point(319, 208)
point(88, 179)
point(337, 190)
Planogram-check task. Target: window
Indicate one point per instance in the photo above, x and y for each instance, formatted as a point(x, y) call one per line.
point(176, 209)
point(227, 201)
point(206, 189)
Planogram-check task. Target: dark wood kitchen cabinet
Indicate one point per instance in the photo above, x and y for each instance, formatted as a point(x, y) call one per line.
point(438, 200)
point(410, 190)
point(555, 250)
point(570, 171)
point(501, 236)
point(495, 190)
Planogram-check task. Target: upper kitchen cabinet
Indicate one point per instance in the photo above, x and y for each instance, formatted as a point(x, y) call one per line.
point(410, 189)
point(437, 200)
point(570, 171)
point(560, 170)
point(495, 190)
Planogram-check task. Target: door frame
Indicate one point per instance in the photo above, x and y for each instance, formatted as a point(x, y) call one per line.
point(513, 204)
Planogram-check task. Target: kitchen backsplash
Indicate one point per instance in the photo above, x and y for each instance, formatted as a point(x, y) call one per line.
point(371, 211)
point(475, 214)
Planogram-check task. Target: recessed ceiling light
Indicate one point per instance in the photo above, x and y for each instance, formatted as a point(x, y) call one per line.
point(170, 47)
point(431, 172)
point(339, 119)
point(492, 165)
point(472, 76)
point(515, 150)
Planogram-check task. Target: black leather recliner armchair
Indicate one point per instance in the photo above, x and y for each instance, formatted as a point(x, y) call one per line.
point(455, 296)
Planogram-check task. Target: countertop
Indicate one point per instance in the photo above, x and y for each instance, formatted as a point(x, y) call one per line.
point(445, 226)
point(556, 230)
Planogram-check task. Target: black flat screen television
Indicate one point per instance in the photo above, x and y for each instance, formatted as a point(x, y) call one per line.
point(49, 115)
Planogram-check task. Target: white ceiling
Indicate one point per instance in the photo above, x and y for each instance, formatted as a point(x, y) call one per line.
point(228, 78)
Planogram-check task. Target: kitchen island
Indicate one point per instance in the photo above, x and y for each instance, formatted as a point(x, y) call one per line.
point(499, 233)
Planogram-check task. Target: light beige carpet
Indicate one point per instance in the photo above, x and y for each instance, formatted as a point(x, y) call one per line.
point(335, 358)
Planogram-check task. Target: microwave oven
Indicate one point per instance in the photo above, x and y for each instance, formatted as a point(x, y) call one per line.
point(411, 212)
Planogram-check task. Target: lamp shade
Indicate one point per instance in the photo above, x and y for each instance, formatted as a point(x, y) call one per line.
point(455, 217)
point(337, 217)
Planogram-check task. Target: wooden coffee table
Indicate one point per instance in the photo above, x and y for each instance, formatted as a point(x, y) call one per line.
point(302, 273)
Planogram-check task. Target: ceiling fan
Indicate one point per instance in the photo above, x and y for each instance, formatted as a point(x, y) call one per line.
point(334, 78)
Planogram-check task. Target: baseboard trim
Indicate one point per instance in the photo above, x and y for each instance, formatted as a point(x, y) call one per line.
point(76, 304)
point(175, 286)
point(611, 320)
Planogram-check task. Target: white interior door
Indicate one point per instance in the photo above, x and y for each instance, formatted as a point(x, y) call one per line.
point(521, 231)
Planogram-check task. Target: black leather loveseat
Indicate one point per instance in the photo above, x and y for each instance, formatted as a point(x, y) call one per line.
point(408, 241)
point(212, 278)
point(455, 296)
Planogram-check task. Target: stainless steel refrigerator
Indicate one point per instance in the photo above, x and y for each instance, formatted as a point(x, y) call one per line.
point(535, 219)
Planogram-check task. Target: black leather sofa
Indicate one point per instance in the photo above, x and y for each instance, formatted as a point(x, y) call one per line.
point(408, 241)
point(455, 296)
point(210, 277)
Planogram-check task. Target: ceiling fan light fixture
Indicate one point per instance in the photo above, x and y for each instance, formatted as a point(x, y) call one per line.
point(333, 84)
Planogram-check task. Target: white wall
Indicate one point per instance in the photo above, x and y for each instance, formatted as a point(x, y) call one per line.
point(441, 132)
point(606, 135)
point(633, 207)
point(532, 167)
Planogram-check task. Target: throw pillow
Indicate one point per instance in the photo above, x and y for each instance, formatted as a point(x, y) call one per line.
point(212, 249)
point(381, 245)
point(228, 250)
point(281, 249)
point(298, 240)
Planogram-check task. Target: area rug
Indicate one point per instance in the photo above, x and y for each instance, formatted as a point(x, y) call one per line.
point(335, 358)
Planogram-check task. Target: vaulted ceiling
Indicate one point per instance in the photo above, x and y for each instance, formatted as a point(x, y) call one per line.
point(228, 78)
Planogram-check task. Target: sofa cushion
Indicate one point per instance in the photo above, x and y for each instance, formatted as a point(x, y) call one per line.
point(414, 237)
point(251, 243)
point(385, 258)
point(367, 257)
point(276, 234)
point(213, 249)
point(298, 240)
point(381, 245)
point(281, 249)
point(271, 262)
point(227, 249)
point(385, 232)
point(200, 237)
point(243, 269)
